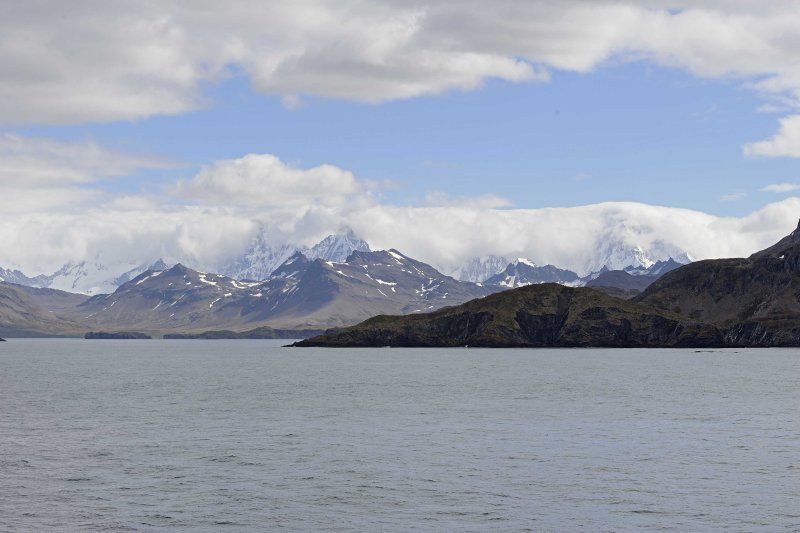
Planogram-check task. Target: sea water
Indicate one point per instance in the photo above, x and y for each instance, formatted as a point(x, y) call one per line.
point(246, 435)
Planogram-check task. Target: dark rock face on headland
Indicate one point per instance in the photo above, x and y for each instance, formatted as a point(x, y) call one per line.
point(533, 316)
point(715, 303)
point(755, 301)
point(116, 335)
point(620, 284)
point(2, 339)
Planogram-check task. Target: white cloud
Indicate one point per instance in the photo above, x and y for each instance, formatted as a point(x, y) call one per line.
point(732, 197)
point(782, 187)
point(571, 237)
point(45, 226)
point(265, 181)
point(16, 199)
point(784, 143)
point(90, 61)
point(39, 174)
point(33, 161)
point(49, 224)
point(132, 232)
point(484, 201)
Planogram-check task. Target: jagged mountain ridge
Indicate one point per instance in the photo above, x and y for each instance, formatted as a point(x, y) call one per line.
point(611, 254)
point(261, 258)
point(301, 293)
point(524, 272)
point(82, 277)
point(337, 248)
point(479, 269)
point(257, 263)
point(287, 298)
point(659, 268)
point(631, 281)
point(19, 278)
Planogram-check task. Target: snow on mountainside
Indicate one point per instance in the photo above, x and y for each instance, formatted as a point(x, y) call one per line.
point(337, 248)
point(261, 259)
point(611, 252)
point(659, 268)
point(614, 254)
point(479, 269)
point(15, 276)
point(256, 263)
point(524, 272)
point(82, 277)
point(301, 292)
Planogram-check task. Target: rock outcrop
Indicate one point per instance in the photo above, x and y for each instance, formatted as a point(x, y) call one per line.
point(116, 335)
point(546, 315)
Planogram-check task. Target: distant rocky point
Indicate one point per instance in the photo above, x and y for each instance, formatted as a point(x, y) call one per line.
point(116, 335)
point(257, 333)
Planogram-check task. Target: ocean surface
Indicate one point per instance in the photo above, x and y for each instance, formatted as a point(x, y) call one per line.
point(246, 435)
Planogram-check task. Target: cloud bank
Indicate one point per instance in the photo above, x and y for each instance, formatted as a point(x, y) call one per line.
point(38, 174)
point(209, 218)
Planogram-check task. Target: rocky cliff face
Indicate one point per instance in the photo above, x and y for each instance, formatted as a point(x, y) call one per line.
point(756, 299)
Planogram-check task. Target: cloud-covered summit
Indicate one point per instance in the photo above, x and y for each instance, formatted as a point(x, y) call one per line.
point(214, 215)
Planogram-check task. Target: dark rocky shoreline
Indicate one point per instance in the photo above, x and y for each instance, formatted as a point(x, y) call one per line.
point(116, 335)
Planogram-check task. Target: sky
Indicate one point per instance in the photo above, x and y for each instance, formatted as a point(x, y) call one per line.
point(136, 130)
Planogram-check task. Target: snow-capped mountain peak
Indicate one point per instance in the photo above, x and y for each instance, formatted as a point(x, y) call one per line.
point(18, 277)
point(479, 269)
point(261, 258)
point(83, 276)
point(659, 268)
point(524, 261)
point(337, 248)
point(524, 272)
point(615, 254)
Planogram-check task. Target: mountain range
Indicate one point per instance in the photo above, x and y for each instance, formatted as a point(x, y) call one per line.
point(336, 283)
point(257, 262)
point(752, 302)
point(262, 256)
point(300, 294)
